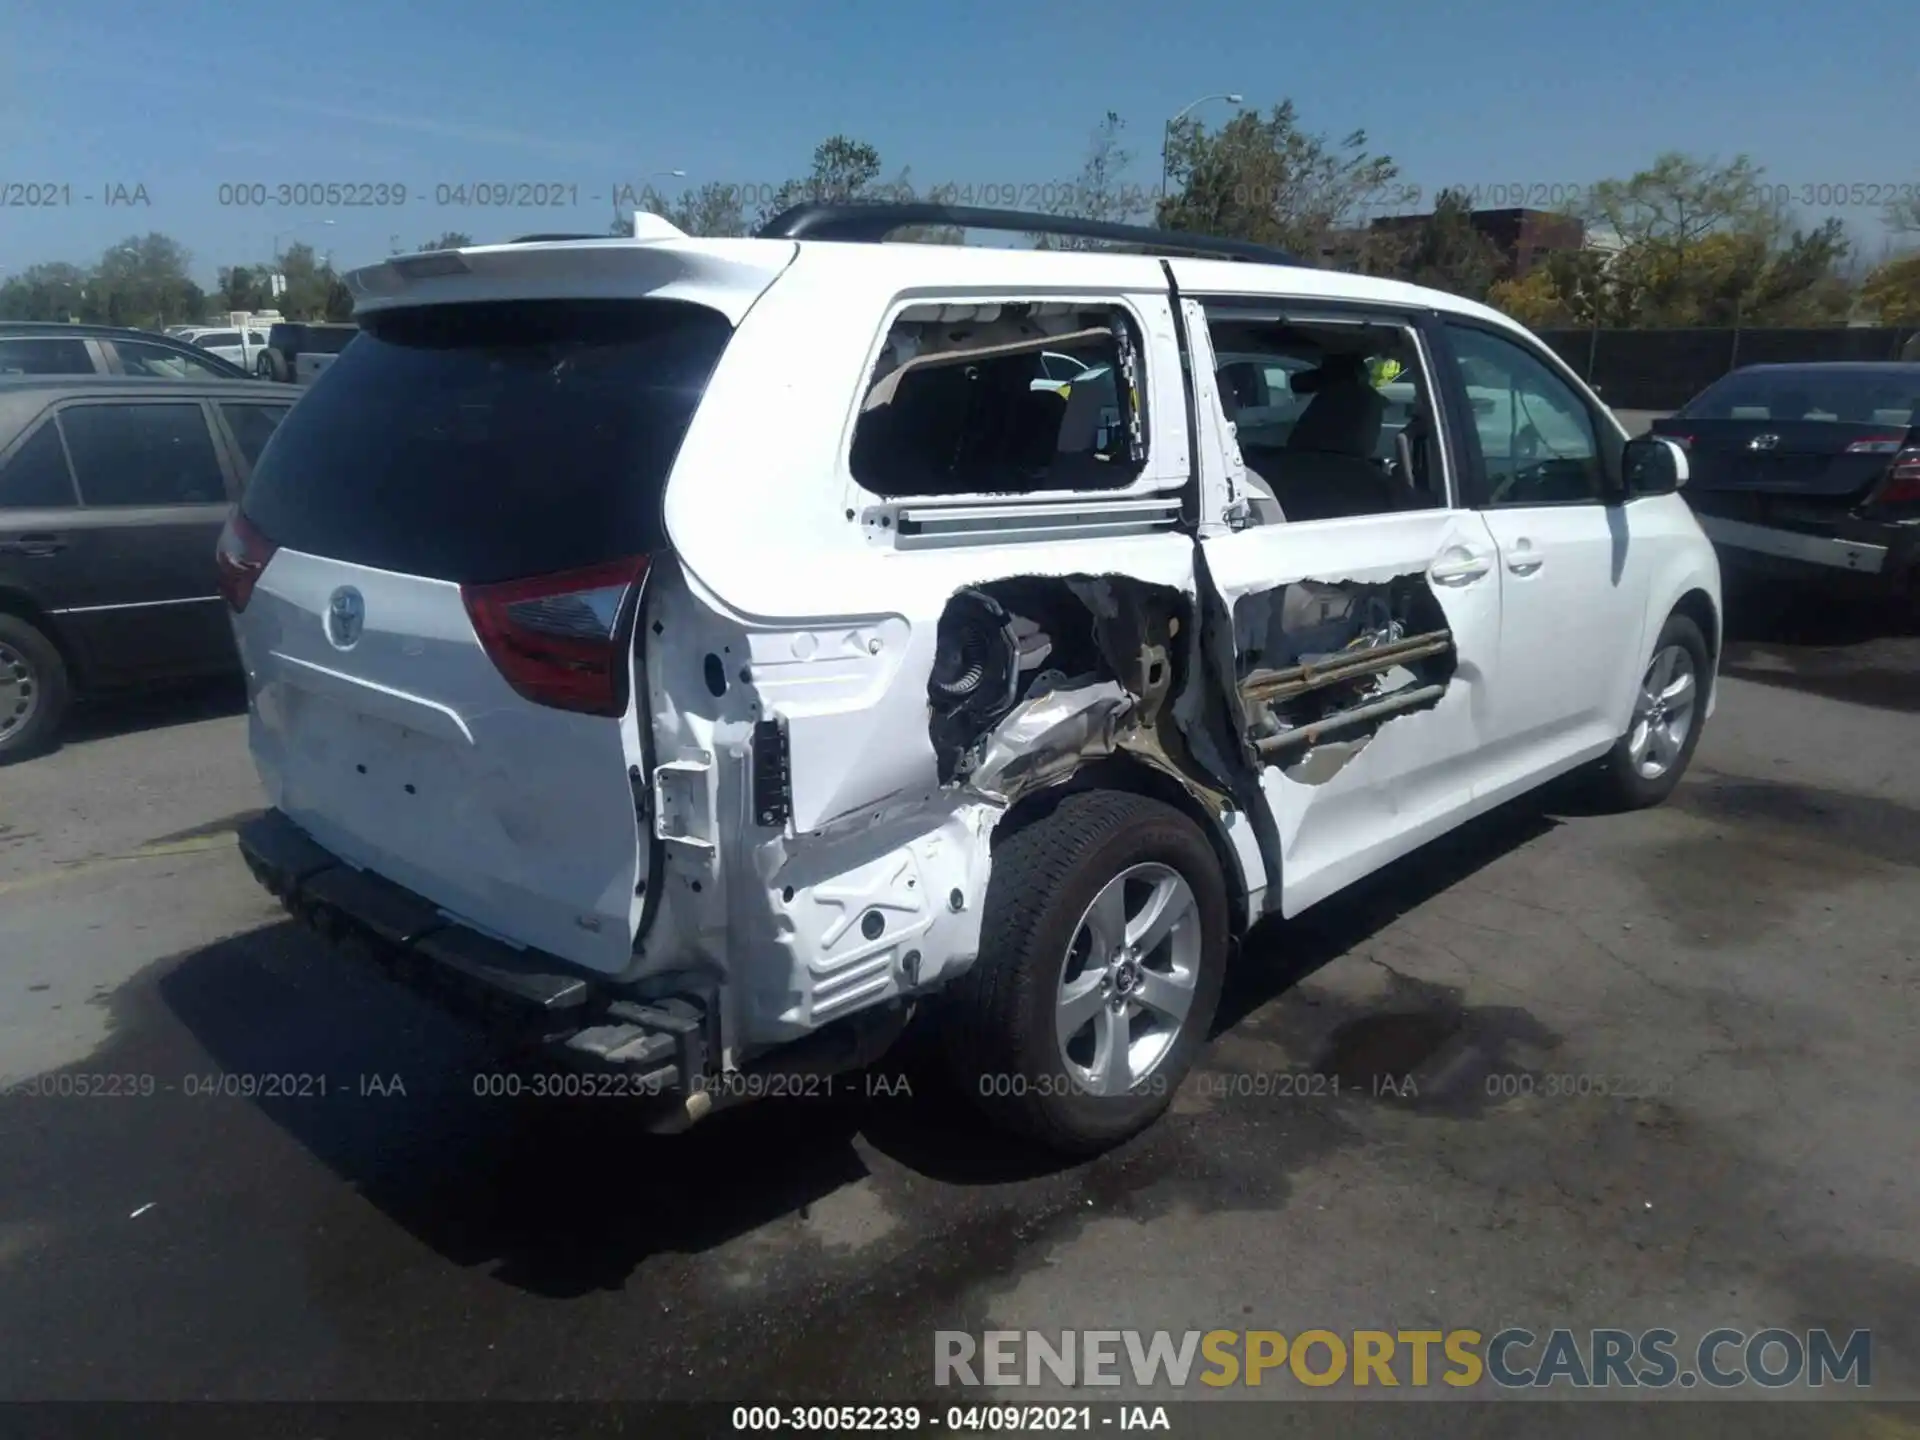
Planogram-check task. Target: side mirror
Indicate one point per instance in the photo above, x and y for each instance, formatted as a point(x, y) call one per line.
point(1653, 465)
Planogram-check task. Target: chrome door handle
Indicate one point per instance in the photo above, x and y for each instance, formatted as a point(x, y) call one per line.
point(33, 546)
point(1463, 571)
point(1524, 567)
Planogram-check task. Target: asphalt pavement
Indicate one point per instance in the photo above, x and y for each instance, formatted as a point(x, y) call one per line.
point(1736, 969)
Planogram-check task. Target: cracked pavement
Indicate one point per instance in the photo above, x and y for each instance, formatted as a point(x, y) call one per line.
point(1560, 1070)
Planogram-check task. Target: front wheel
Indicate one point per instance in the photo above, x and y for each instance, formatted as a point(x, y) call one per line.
point(33, 689)
point(1669, 710)
point(1103, 946)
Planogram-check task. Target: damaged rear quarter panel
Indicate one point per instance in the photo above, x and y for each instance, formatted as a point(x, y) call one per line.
point(872, 887)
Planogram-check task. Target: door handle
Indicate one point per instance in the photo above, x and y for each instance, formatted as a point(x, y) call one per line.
point(1463, 570)
point(1524, 559)
point(34, 545)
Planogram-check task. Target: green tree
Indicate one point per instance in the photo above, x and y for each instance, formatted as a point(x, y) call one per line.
point(448, 240)
point(1101, 191)
point(143, 281)
point(244, 287)
point(309, 283)
point(844, 170)
point(1704, 244)
point(1533, 299)
point(1699, 243)
point(55, 291)
point(1265, 179)
point(339, 301)
point(1891, 293)
point(1443, 251)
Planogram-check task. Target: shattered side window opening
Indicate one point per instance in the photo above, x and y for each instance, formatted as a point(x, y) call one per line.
point(1349, 429)
point(970, 399)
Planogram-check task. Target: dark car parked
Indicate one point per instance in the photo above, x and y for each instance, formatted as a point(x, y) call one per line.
point(1809, 471)
point(30, 347)
point(297, 351)
point(112, 495)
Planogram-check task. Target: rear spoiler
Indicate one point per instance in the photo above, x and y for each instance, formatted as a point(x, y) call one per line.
point(725, 275)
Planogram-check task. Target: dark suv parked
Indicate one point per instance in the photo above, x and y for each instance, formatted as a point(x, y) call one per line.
point(296, 351)
point(30, 347)
point(112, 495)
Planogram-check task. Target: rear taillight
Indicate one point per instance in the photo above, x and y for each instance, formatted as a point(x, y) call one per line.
point(560, 640)
point(1902, 483)
point(243, 552)
point(1878, 445)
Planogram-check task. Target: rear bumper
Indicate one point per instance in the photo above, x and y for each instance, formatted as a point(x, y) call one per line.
point(1876, 556)
point(526, 995)
point(1820, 550)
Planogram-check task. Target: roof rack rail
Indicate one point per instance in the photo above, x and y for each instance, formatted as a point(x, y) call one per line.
point(551, 239)
point(873, 221)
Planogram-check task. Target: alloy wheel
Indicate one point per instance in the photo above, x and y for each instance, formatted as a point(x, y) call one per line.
point(1129, 979)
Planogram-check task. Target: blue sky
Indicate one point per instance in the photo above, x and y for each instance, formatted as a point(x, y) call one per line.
point(182, 97)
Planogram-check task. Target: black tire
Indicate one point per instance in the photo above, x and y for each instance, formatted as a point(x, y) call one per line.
point(998, 1020)
point(272, 365)
point(1620, 783)
point(39, 685)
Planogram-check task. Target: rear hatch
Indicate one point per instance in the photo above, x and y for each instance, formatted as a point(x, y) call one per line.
point(1792, 443)
point(1818, 459)
point(438, 565)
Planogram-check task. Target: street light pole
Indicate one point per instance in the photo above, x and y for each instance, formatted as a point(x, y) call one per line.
point(1166, 131)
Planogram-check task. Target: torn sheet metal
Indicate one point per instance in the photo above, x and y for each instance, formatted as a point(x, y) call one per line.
point(1048, 737)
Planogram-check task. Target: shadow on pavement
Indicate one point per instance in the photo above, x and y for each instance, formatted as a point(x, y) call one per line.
point(1280, 954)
point(130, 712)
point(1840, 647)
point(564, 1197)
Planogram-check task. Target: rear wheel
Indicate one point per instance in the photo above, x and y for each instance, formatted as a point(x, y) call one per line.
point(1668, 711)
point(272, 365)
point(1102, 951)
point(33, 689)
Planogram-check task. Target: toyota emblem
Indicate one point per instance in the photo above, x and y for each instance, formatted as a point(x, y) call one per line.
point(346, 616)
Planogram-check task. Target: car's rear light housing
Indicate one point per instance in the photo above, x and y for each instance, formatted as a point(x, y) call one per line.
point(1878, 445)
point(240, 556)
point(1901, 484)
point(561, 640)
point(1685, 442)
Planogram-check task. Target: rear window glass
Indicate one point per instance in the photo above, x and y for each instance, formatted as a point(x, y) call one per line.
point(476, 443)
point(253, 426)
point(329, 341)
point(1859, 397)
point(45, 357)
point(36, 478)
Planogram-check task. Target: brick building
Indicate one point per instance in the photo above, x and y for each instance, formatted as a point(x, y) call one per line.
point(1524, 237)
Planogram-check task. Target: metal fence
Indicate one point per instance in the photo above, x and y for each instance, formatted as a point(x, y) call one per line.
point(1663, 369)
